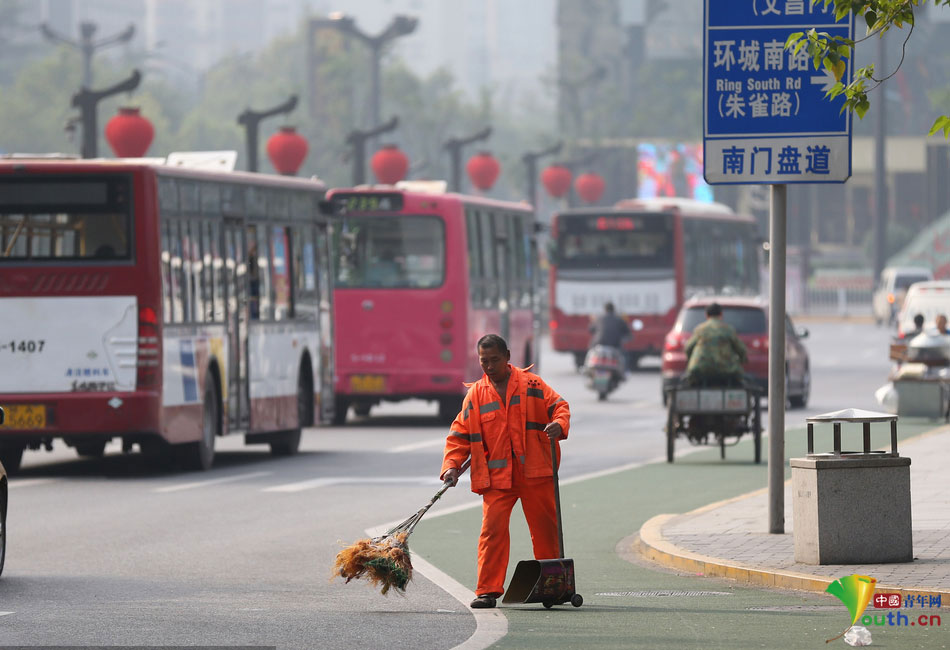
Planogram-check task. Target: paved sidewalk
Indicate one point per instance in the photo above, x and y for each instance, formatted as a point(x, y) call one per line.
point(730, 539)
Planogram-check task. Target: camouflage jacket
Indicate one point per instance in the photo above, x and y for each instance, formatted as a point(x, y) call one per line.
point(714, 348)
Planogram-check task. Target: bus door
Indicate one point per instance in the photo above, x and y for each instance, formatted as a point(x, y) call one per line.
point(238, 391)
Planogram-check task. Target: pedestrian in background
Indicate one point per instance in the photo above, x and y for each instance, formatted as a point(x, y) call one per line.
point(509, 418)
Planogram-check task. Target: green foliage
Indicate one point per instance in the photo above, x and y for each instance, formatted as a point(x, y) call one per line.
point(831, 52)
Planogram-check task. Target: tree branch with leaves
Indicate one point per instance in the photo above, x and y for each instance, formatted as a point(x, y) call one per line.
point(831, 52)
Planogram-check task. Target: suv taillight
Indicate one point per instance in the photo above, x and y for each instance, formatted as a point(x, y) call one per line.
point(674, 341)
point(148, 350)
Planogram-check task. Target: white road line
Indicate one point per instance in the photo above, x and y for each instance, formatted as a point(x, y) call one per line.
point(27, 482)
point(5, 613)
point(438, 442)
point(490, 624)
point(314, 483)
point(214, 481)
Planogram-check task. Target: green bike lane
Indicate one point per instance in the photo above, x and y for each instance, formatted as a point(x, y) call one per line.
point(631, 603)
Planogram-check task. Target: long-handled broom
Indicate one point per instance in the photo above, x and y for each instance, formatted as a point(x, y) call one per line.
point(384, 560)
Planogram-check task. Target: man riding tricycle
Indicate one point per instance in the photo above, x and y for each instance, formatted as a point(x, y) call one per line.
point(713, 401)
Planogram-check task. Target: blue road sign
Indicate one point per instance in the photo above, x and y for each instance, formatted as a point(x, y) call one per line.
point(765, 115)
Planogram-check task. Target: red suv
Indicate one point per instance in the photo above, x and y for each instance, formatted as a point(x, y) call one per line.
point(750, 318)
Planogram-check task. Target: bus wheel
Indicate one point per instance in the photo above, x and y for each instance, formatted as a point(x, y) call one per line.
point(11, 455)
point(362, 409)
point(91, 449)
point(449, 407)
point(200, 455)
point(3, 524)
point(288, 442)
point(339, 411)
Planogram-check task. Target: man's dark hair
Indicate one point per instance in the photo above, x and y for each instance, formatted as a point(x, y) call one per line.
point(714, 309)
point(493, 341)
point(609, 307)
point(919, 321)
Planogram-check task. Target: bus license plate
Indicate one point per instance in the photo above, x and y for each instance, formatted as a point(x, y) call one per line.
point(367, 383)
point(24, 416)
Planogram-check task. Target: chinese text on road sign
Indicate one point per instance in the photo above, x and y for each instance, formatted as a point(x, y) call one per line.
point(765, 115)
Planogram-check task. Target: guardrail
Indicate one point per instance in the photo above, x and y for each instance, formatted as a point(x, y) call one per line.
point(836, 301)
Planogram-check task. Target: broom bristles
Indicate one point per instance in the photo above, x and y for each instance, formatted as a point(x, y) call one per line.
point(383, 561)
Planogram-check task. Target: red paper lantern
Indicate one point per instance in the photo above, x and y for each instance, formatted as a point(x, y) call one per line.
point(483, 170)
point(390, 165)
point(287, 150)
point(590, 186)
point(556, 180)
point(128, 133)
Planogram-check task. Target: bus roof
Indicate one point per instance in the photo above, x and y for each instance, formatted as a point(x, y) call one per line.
point(23, 163)
point(665, 203)
point(687, 208)
point(423, 189)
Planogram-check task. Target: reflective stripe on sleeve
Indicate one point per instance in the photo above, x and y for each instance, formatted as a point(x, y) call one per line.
point(463, 436)
point(551, 408)
point(498, 464)
point(488, 408)
point(468, 408)
point(536, 392)
point(534, 426)
point(521, 458)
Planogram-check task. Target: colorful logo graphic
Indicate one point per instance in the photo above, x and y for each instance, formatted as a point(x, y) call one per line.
point(855, 591)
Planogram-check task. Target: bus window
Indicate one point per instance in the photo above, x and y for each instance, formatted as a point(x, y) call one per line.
point(177, 284)
point(490, 266)
point(207, 272)
point(217, 272)
point(280, 272)
point(408, 252)
point(187, 270)
point(166, 274)
point(258, 273)
point(474, 256)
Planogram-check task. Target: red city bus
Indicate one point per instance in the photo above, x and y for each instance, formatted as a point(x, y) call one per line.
point(646, 256)
point(161, 305)
point(421, 276)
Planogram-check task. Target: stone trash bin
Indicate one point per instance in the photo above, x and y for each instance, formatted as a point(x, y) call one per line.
point(852, 507)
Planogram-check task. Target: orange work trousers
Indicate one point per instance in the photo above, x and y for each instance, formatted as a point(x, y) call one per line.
point(494, 543)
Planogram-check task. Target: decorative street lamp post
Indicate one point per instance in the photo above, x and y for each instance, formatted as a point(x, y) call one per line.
point(251, 119)
point(400, 25)
point(531, 163)
point(454, 145)
point(357, 139)
point(87, 101)
point(86, 45)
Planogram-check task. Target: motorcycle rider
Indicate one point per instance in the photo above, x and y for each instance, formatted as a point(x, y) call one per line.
point(611, 330)
point(715, 352)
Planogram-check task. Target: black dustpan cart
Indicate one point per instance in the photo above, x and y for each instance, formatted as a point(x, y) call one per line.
point(549, 582)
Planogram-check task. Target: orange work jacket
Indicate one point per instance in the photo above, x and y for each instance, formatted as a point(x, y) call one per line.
point(497, 434)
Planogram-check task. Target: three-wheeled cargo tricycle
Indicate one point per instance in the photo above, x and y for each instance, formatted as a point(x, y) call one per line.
point(710, 415)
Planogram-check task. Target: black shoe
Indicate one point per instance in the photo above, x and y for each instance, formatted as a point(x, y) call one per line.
point(485, 601)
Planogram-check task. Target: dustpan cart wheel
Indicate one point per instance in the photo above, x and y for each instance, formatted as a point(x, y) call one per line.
point(577, 600)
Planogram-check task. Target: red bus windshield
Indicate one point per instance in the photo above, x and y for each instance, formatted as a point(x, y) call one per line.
point(65, 219)
point(407, 252)
point(615, 241)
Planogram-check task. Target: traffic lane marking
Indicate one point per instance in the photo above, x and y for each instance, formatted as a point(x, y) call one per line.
point(27, 482)
point(315, 483)
point(418, 445)
point(214, 481)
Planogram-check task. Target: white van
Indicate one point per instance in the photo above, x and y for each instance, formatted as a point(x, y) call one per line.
point(891, 289)
point(927, 298)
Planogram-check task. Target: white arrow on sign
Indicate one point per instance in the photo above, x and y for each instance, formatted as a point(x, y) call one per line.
point(826, 80)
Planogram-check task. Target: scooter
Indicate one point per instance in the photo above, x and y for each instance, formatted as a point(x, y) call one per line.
point(604, 370)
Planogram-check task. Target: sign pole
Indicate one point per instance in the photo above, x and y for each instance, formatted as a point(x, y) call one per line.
point(777, 237)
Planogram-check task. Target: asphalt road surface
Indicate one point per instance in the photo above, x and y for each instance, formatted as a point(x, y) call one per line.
point(116, 552)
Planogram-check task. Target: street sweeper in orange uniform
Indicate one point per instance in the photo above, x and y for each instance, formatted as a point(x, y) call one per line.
point(508, 419)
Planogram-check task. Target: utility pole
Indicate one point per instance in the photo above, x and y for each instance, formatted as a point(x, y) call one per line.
point(454, 145)
point(880, 172)
point(357, 140)
point(86, 45)
point(250, 120)
point(87, 101)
